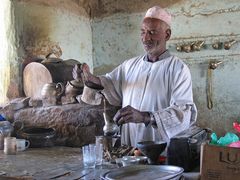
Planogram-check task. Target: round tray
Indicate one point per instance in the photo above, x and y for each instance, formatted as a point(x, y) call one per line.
point(143, 171)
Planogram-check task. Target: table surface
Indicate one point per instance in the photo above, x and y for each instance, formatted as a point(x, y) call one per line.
point(54, 163)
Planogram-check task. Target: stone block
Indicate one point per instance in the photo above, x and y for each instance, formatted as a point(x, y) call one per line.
point(75, 124)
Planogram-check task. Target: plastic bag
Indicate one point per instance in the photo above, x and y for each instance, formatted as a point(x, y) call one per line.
point(236, 126)
point(214, 138)
point(235, 144)
point(2, 118)
point(224, 141)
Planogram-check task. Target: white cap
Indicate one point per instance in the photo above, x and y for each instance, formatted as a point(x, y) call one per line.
point(159, 13)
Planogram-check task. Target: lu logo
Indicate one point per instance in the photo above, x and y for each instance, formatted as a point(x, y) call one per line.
point(228, 158)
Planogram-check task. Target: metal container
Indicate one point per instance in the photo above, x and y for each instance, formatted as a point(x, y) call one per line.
point(38, 136)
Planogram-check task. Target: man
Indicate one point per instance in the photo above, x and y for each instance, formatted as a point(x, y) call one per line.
point(154, 90)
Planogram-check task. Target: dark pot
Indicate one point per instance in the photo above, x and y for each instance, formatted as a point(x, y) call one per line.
point(38, 136)
point(152, 150)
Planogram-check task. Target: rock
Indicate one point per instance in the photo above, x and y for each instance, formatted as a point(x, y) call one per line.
point(68, 100)
point(75, 124)
point(35, 102)
point(8, 112)
point(19, 103)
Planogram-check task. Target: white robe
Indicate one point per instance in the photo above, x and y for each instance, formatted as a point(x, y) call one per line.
point(163, 88)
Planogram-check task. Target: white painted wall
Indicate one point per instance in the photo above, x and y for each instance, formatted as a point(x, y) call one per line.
point(72, 32)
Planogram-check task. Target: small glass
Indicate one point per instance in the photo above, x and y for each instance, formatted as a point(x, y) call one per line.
point(89, 155)
point(99, 154)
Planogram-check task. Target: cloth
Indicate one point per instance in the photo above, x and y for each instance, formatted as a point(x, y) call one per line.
point(159, 13)
point(163, 88)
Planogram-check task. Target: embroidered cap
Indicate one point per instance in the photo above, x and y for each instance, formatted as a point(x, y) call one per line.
point(159, 13)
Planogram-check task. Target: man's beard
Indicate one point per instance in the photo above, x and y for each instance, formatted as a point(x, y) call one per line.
point(148, 47)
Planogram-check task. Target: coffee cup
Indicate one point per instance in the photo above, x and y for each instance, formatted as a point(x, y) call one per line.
point(22, 144)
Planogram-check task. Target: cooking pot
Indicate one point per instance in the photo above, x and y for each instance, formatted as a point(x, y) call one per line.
point(38, 136)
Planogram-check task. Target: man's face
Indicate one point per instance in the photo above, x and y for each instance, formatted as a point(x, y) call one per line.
point(154, 34)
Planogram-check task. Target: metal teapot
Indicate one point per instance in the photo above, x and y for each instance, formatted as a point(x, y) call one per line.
point(51, 93)
point(110, 128)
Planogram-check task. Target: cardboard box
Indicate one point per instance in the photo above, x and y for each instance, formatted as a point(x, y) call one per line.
point(219, 162)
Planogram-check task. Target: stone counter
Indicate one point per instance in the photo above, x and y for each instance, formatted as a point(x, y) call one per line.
point(48, 163)
point(75, 124)
point(55, 163)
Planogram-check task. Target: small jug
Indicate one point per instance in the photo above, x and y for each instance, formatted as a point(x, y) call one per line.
point(51, 93)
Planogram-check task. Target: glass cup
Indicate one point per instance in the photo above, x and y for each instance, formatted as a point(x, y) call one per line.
point(99, 154)
point(89, 155)
point(10, 145)
point(99, 149)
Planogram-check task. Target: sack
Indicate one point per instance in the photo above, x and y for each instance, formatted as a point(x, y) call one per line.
point(184, 148)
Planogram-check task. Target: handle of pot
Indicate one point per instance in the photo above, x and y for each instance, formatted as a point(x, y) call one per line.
point(27, 144)
point(19, 125)
point(60, 89)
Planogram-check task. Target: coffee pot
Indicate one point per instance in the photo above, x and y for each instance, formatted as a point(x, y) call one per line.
point(110, 128)
point(51, 93)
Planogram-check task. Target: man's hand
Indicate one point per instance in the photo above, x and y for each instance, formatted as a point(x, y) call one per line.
point(129, 114)
point(83, 72)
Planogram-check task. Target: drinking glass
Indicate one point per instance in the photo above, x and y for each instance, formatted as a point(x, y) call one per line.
point(89, 155)
point(99, 154)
